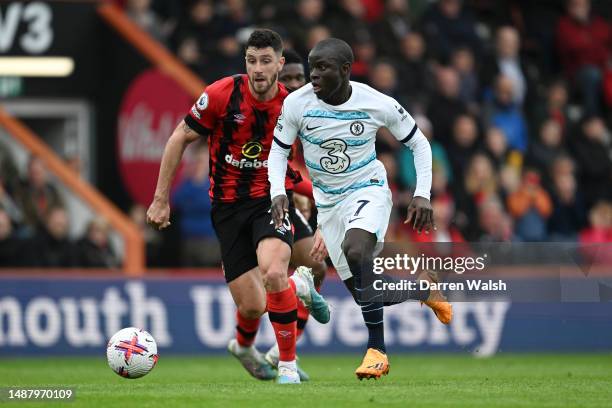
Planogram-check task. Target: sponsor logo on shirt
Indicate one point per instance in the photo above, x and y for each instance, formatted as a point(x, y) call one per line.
point(252, 150)
point(244, 163)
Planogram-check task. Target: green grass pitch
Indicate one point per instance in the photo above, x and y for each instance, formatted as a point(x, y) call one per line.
point(424, 380)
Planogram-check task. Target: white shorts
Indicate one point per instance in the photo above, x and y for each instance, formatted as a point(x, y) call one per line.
point(368, 209)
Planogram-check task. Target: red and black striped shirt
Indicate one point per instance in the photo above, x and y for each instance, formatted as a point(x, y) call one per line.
point(239, 130)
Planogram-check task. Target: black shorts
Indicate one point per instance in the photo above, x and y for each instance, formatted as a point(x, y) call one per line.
point(300, 224)
point(239, 227)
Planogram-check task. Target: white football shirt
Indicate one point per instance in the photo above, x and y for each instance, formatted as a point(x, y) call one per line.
point(338, 140)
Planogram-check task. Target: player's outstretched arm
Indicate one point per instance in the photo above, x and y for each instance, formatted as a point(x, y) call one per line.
point(158, 213)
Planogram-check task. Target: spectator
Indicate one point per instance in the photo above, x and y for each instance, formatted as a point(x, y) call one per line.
point(447, 25)
point(463, 144)
point(507, 61)
point(496, 145)
point(37, 194)
point(504, 114)
point(530, 206)
point(308, 15)
point(200, 246)
point(315, 34)
point(94, 249)
point(383, 78)
point(9, 206)
point(200, 23)
point(591, 148)
point(365, 54)
point(196, 38)
point(569, 212)
point(393, 27)
point(544, 151)
point(10, 246)
point(347, 21)
point(583, 42)
point(233, 16)
point(445, 106)
point(479, 185)
point(599, 232)
point(496, 225)
point(51, 244)
point(462, 60)
point(554, 107)
point(189, 52)
point(9, 174)
point(140, 12)
point(416, 76)
point(600, 220)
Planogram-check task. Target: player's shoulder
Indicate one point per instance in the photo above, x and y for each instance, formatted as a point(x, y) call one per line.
point(224, 85)
point(218, 93)
point(298, 97)
point(369, 92)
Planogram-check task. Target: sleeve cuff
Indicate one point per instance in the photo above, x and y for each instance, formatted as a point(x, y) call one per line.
point(195, 126)
point(281, 144)
point(422, 193)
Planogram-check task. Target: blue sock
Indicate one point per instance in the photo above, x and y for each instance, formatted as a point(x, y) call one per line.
point(370, 301)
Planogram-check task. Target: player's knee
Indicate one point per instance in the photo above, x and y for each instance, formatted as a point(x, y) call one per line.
point(251, 311)
point(274, 275)
point(355, 254)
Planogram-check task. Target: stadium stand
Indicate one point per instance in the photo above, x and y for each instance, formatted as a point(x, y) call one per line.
point(518, 113)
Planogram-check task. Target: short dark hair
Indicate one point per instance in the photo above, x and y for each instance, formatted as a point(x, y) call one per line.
point(292, 57)
point(340, 49)
point(263, 37)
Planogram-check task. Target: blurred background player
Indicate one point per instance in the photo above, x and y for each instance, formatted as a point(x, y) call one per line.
point(238, 114)
point(292, 75)
point(338, 120)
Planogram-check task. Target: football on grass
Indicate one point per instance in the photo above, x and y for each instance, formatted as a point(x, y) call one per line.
point(132, 352)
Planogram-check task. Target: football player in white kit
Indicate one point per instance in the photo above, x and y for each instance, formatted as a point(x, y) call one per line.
point(337, 120)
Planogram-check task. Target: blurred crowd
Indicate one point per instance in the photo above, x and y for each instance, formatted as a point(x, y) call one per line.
point(35, 223)
point(515, 97)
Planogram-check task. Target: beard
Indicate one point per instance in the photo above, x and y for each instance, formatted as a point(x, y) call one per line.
point(262, 87)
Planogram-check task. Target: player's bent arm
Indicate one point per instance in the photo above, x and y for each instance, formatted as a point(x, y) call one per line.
point(182, 136)
point(421, 150)
point(277, 167)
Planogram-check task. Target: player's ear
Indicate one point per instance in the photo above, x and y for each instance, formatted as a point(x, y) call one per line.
point(345, 69)
point(281, 62)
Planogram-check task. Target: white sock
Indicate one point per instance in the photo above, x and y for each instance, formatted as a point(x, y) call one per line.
point(291, 365)
point(301, 288)
point(243, 349)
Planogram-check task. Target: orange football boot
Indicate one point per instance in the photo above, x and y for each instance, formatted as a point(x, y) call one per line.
point(374, 365)
point(436, 300)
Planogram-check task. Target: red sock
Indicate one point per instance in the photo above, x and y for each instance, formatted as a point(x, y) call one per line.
point(246, 329)
point(282, 310)
point(302, 318)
